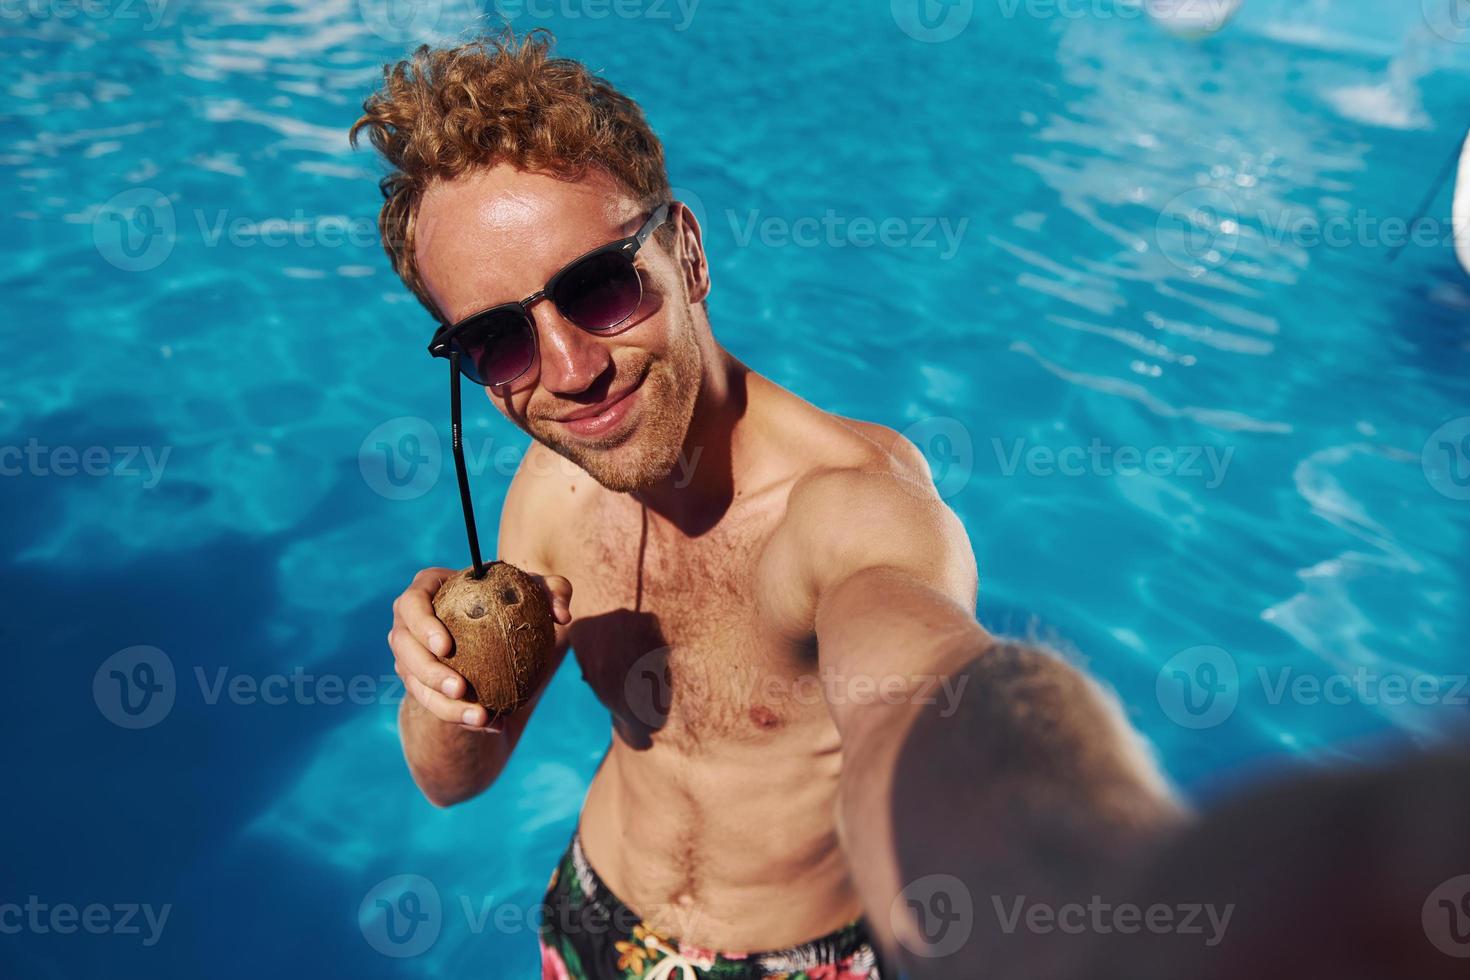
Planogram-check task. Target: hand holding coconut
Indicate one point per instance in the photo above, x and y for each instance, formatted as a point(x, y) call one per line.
point(473, 651)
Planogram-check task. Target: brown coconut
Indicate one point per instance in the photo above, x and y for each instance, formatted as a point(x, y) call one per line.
point(504, 636)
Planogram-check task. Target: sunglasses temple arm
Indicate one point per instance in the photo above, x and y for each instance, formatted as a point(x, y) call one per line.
point(456, 430)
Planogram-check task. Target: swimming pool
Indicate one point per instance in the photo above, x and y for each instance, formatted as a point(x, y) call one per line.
point(1131, 294)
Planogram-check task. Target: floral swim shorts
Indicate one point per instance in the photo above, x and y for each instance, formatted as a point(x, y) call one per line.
point(588, 934)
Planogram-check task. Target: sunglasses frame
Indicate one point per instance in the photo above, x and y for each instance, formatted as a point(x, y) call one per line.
point(441, 346)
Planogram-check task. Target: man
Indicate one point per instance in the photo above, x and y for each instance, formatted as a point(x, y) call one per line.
point(772, 601)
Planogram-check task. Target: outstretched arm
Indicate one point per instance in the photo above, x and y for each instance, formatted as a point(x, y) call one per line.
point(984, 772)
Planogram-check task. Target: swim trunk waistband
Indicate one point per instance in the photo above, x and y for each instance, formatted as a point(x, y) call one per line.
point(587, 933)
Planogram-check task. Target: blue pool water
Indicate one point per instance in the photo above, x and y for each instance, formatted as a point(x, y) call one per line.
point(1096, 242)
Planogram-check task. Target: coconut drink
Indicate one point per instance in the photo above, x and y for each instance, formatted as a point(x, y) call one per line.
point(504, 634)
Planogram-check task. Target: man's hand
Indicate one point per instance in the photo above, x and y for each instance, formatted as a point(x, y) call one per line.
point(419, 640)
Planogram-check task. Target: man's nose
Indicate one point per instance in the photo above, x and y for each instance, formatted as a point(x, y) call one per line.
point(571, 358)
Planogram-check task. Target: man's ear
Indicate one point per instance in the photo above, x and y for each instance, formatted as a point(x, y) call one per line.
point(690, 253)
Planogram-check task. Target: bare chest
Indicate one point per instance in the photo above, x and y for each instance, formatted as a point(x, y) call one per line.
point(679, 640)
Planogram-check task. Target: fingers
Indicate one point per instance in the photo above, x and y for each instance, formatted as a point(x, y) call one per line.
point(560, 591)
point(468, 716)
point(419, 663)
point(414, 610)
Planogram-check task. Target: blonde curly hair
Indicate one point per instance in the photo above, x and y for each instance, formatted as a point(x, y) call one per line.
point(441, 113)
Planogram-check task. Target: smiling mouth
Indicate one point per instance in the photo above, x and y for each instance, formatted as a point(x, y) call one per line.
point(596, 420)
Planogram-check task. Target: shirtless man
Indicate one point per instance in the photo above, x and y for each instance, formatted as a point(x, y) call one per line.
point(772, 601)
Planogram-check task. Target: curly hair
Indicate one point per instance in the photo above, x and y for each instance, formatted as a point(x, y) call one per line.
point(445, 112)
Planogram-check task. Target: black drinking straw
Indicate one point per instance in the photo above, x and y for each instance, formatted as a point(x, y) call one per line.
point(1439, 181)
point(464, 481)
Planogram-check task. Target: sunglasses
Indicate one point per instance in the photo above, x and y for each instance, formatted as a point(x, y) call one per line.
point(597, 292)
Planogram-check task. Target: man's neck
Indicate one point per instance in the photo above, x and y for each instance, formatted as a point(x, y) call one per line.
point(698, 490)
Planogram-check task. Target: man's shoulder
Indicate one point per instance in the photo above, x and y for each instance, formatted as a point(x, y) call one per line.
point(863, 464)
point(544, 494)
point(867, 499)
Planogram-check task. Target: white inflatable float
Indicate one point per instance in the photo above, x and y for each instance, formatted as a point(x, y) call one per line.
point(1462, 207)
point(1192, 18)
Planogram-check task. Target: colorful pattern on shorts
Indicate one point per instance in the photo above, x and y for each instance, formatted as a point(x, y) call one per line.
point(588, 934)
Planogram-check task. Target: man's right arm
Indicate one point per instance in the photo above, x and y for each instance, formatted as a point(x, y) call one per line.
point(453, 748)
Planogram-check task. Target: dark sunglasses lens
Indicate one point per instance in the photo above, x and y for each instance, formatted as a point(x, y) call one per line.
point(497, 348)
point(599, 292)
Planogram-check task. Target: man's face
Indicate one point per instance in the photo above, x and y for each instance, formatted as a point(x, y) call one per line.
point(617, 404)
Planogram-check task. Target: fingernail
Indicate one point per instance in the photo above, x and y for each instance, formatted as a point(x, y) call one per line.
point(470, 717)
point(438, 643)
point(450, 686)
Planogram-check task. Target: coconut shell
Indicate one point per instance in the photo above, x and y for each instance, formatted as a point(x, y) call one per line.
point(504, 636)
